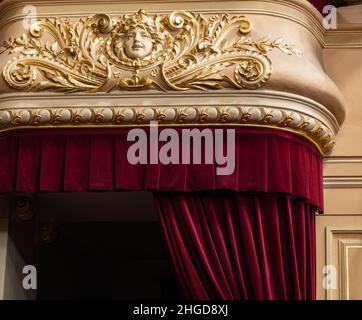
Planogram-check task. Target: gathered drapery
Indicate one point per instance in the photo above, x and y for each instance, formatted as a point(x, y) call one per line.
point(227, 245)
point(247, 235)
point(267, 161)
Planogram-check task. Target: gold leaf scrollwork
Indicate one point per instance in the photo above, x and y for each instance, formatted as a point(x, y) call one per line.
point(179, 51)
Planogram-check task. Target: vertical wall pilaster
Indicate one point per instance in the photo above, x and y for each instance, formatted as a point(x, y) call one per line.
point(4, 212)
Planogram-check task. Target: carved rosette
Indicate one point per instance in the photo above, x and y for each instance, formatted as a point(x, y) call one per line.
point(179, 51)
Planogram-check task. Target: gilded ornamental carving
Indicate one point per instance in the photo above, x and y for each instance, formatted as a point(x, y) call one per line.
point(179, 51)
point(303, 124)
point(172, 52)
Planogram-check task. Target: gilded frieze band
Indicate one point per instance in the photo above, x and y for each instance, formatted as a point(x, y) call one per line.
point(179, 51)
point(125, 116)
point(156, 65)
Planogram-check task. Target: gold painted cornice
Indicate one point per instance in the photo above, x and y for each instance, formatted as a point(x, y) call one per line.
point(218, 63)
point(297, 21)
point(275, 110)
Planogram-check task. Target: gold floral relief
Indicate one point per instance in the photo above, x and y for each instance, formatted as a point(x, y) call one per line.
point(179, 51)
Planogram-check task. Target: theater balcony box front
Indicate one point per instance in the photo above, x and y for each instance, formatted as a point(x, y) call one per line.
point(78, 76)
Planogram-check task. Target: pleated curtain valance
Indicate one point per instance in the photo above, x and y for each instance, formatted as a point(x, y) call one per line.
point(267, 161)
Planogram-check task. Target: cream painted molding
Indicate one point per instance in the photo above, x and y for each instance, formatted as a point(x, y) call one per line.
point(338, 164)
point(342, 160)
point(300, 11)
point(343, 247)
point(260, 108)
point(3, 249)
point(330, 231)
point(342, 182)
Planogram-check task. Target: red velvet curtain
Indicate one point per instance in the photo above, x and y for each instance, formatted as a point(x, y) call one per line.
point(249, 235)
point(229, 245)
point(267, 161)
point(320, 4)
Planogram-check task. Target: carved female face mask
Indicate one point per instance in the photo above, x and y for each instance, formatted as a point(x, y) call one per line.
point(138, 43)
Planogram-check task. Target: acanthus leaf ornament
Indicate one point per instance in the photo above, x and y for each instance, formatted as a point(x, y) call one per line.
point(179, 51)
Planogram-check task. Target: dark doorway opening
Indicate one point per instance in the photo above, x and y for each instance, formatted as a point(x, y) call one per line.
point(106, 260)
point(93, 245)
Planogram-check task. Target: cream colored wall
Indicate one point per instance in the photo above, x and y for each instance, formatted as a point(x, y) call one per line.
point(344, 66)
point(343, 184)
point(4, 211)
point(3, 244)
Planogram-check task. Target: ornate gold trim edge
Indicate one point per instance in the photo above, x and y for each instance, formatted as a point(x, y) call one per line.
point(312, 21)
point(140, 116)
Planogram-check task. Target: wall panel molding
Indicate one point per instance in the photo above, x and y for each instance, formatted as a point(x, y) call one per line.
point(338, 241)
point(342, 172)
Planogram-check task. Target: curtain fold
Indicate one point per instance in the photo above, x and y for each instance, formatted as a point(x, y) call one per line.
point(228, 245)
point(267, 161)
point(320, 4)
point(248, 235)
